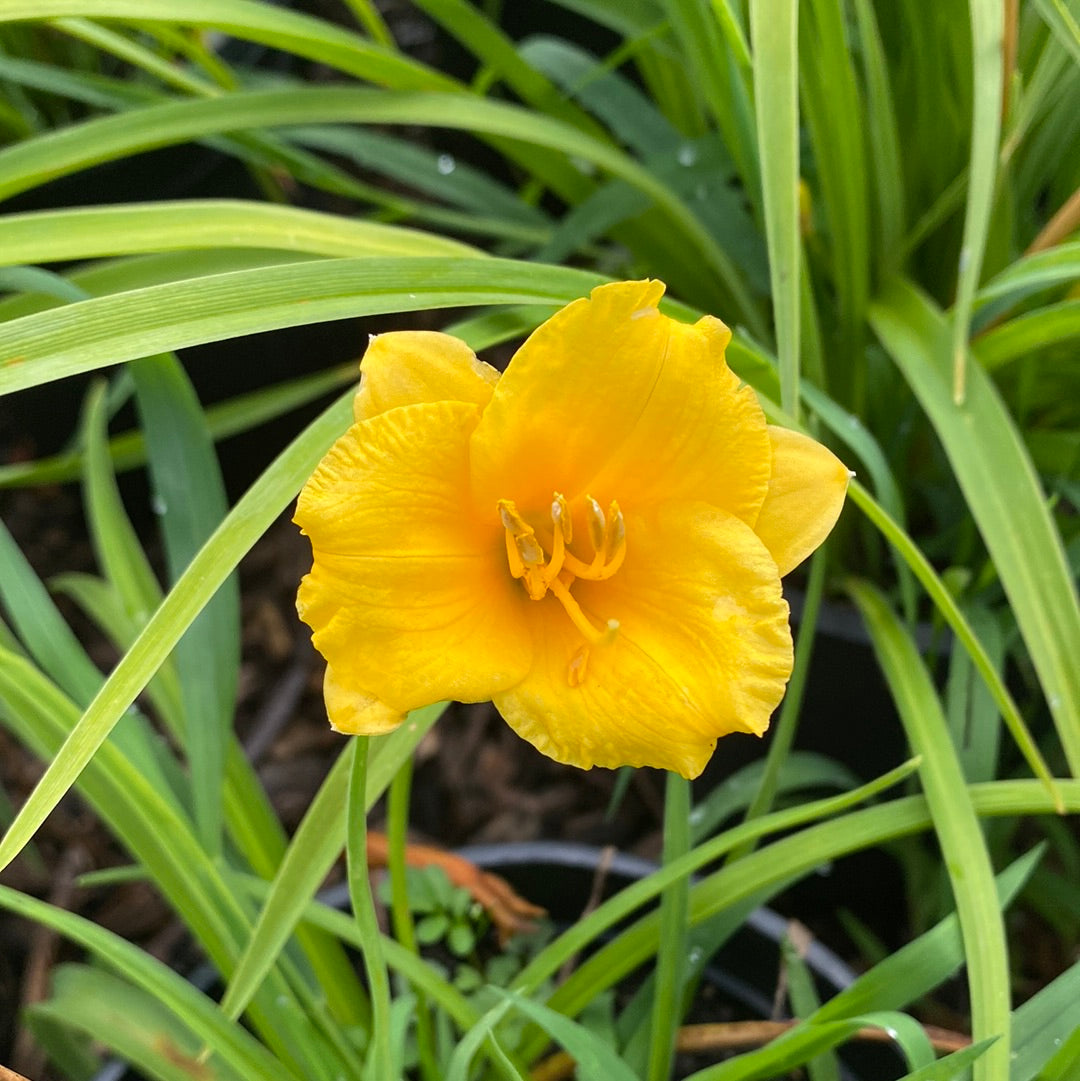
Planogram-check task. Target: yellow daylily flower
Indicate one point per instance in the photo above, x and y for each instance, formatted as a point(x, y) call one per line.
point(593, 540)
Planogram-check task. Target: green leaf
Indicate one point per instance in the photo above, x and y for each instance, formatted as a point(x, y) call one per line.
point(1028, 333)
point(947, 606)
point(61, 657)
point(101, 603)
point(46, 236)
point(955, 823)
point(316, 844)
point(240, 414)
point(380, 1043)
point(1003, 494)
point(801, 771)
point(781, 1055)
point(714, 71)
point(1046, 1026)
point(1065, 1061)
point(883, 138)
point(911, 972)
point(591, 927)
point(42, 629)
point(956, 1065)
point(61, 152)
point(425, 977)
point(189, 497)
point(987, 19)
point(672, 949)
point(804, 999)
point(460, 938)
point(115, 541)
point(497, 52)
point(756, 875)
point(1048, 269)
point(625, 110)
point(215, 561)
point(127, 1020)
point(82, 337)
point(774, 32)
point(484, 1029)
point(1061, 21)
point(836, 122)
point(233, 1043)
point(439, 175)
point(919, 966)
point(140, 810)
point(266, 23)
point(595, 1060)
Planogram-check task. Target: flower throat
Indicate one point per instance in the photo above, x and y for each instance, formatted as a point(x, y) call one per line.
point(542, 573)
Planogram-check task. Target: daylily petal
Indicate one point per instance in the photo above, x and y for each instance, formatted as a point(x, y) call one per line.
point(409, 597)
point(411, 366)
point(702, 434)
point(805, 497)
point(703, 649)
point(355, 712)
point(612, 398)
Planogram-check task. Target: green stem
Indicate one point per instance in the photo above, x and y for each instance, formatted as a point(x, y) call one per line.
point(380, 1057)
point(401, 913)
point(672, 946)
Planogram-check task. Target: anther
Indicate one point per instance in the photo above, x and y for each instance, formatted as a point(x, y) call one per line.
point(608, 535)
point(560, 515)
point(597, 525)
point(560, 519)
point(522, 533)
point(615, 541)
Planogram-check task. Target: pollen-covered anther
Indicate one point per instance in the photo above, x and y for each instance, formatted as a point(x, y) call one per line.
point(607, 532)
point(524, 555)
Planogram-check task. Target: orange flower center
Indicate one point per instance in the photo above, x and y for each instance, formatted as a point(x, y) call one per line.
point(554, 571)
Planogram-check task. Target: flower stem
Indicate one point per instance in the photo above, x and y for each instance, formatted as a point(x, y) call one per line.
point(672, 945)
point(397, 813)
point(380, 1057)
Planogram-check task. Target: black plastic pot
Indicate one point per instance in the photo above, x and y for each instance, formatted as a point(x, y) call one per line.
point(560, 875)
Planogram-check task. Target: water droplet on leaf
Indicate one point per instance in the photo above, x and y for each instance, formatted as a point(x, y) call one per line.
point(686, 155)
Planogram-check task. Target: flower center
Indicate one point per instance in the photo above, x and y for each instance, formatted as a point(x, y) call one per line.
point(554, 571)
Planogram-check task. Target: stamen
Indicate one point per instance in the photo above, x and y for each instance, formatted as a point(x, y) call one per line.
point(560, 517)
point(527, 558)
point(540, 574)
point(610, 544)
point(580, 620)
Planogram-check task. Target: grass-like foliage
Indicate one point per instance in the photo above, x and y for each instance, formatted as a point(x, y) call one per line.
point(879, 196)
